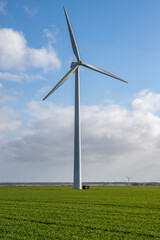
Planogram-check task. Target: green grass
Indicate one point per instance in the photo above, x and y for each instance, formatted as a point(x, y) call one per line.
point(62, 213)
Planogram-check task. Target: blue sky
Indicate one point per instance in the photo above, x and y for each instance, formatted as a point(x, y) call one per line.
point(120, 122)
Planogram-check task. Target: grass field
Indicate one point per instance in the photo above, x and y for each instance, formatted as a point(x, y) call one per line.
point(62, 213)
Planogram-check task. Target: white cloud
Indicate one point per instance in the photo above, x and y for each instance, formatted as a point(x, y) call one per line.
point(30, 11)
point(43, 90)
point(15, 54)
point(43, 58)
point(3, 5)
point(5, 99)
point(8, 121)
point(147, 101)
point(51, 34)
point(115, 141)
point(19, 77)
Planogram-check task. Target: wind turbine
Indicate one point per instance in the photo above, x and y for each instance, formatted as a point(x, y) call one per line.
point(128, 179)
point(77, 132)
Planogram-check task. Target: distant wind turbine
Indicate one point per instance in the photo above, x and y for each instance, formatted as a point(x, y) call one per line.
point(128, 179)
point(77, 133)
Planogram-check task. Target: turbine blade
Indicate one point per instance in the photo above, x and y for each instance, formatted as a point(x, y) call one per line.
point(102, 71)
point(69, 74)
point(73, 42)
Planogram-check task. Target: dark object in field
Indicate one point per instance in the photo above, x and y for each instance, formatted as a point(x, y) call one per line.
point(86, 187)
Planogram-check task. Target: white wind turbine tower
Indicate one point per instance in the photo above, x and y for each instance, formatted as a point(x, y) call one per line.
point(128, 179)
point(77, 133)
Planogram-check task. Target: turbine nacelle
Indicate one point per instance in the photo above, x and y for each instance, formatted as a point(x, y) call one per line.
point(74, 64)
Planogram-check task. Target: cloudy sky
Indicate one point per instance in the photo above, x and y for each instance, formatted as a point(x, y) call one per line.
point(120, 122)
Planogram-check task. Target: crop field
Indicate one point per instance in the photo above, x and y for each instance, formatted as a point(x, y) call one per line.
point(63, 213)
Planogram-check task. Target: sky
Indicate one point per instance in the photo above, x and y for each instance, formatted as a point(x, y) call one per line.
point(120, 123)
